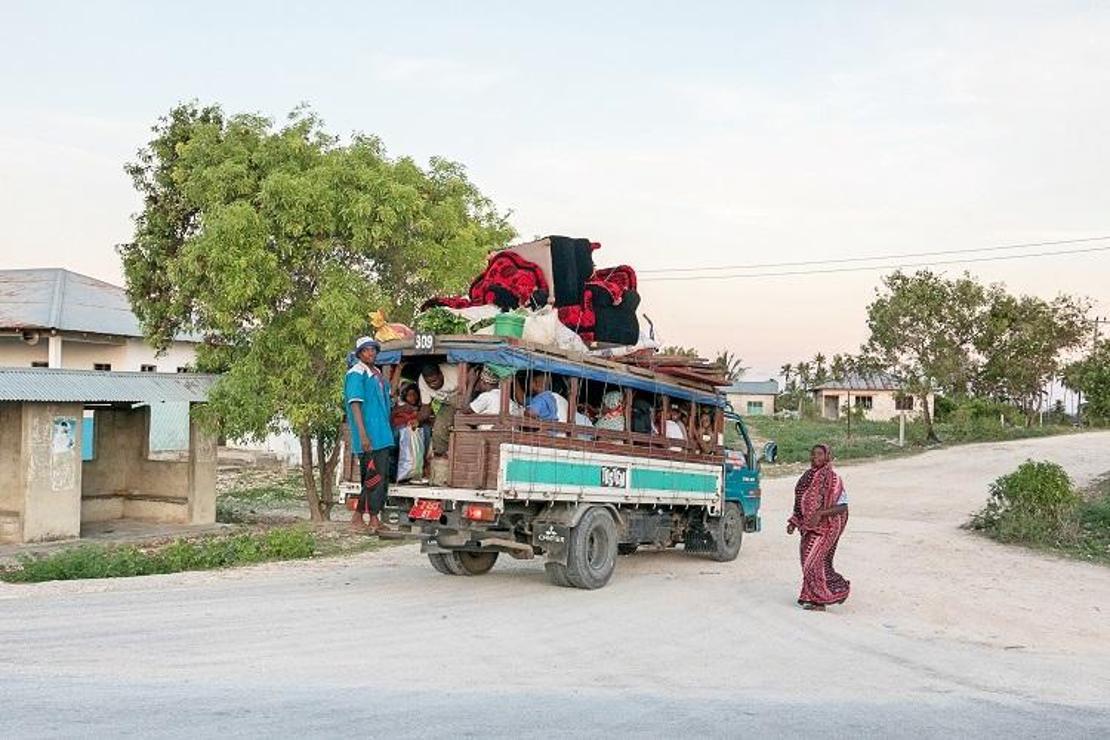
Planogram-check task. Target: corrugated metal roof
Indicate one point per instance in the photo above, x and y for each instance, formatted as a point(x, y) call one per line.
point(754, 388)
point(93, 386)
point(66, 301)
point(859, 382)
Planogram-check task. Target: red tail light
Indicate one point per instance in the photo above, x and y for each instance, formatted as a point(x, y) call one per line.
point(479, 513)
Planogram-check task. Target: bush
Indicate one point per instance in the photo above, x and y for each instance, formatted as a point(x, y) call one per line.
point(98, 561)
point(1036, 504)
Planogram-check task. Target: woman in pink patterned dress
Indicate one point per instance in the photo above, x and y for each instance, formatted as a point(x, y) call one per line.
point(820, 514)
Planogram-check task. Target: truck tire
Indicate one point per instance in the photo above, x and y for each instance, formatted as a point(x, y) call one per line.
point(728, 534)
point(441, 562)
point(557, 574)
point(474, 563)
point(592, 550)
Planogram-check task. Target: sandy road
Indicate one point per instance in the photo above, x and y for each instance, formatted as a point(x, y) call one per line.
point(946, 634)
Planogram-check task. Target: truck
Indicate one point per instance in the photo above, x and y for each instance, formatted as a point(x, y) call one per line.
point(568, 492)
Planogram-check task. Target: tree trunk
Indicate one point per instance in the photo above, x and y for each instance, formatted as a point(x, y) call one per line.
point(327, 462)
point(927, 417)
point(307, 472)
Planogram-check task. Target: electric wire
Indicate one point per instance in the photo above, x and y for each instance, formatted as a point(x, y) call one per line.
point(880, 257)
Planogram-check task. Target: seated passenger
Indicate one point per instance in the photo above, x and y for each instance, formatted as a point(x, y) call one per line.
point(674, 428)
point(545, 404)
point(612, 412)
point(488, 400)
point(707, 440)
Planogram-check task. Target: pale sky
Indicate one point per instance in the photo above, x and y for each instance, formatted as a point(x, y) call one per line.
point(676, 134)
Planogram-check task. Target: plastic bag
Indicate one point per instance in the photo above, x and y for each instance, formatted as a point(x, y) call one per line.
point(410, 454)
point(542, 327)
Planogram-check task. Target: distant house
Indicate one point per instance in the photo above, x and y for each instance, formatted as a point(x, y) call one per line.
point(753, 398)
point(879, 397)
point(61, 319)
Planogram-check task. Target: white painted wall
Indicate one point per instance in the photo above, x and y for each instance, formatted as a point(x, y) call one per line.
point(124, 355)
point(739, 403)
point(882, 404)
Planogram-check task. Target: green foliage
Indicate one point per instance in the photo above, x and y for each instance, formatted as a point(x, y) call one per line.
point(98, 561)
point(731, 365)
point(1091, 376)
point(922, 331)
point(868, 439)
point(274, 243)
point(439, 320)
point(1030, 505)
point(1021, 340)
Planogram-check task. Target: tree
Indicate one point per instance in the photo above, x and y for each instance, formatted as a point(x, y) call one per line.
point(820, 371)
point(274, 244)
point(787, 371)
point(922, 331)
point(680, 351)
point(730, 365)
point(1091, 377)
point(1021, 341)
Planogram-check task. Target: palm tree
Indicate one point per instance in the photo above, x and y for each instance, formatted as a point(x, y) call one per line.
point(839, 367)
point(820, 373)
point(730, 364)
point(787, 371)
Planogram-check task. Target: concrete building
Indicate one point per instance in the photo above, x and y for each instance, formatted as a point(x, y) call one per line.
point(753, 398)
point(61, 319)
point(59, 470)
point(878, 397)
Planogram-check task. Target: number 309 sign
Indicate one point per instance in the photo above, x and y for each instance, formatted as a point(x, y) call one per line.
point(614, 477)
point(424, 342)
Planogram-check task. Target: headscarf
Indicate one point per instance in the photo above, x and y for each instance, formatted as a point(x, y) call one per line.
point(818, 488)
point(488, 376)
point(612, 411)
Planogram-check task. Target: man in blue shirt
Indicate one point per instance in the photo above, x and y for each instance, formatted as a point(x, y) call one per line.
point(367, 399)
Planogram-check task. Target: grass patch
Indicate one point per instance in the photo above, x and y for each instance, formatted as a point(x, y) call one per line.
point(795, 437)
point(1037, 506)
point(248, 493)
point(204, 553)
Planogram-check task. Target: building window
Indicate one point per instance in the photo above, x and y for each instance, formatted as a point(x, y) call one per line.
point(105, 366)
point(40, 363)
point(148, 368)
point(183, 369)
point(755, 408)
point(903, 403)
point(864, 402)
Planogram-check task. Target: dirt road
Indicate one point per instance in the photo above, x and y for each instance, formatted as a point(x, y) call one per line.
point(946, 634)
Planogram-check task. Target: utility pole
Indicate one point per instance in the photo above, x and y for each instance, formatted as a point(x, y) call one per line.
point(1079, 393)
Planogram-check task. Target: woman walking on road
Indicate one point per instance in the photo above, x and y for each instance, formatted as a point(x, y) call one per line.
point(820, 514)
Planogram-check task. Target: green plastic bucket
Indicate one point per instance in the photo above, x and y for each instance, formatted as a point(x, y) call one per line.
point(509, 325)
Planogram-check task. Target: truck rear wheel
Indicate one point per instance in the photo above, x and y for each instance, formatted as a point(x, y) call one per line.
point(557, 574)
point(474, 563)
point(592, 550)
point(462, 563)
point(440, 562)
point(728, 534)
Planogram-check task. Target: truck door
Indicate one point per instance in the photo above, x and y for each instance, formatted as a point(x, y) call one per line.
point(742, 471)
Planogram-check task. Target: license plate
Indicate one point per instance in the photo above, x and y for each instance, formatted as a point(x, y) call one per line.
point(426, 509)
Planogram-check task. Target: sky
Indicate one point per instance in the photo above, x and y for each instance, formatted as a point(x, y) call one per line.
point(678, 135)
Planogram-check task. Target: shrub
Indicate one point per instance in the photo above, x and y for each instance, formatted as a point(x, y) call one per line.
point(98, 561)
point(1036, 504)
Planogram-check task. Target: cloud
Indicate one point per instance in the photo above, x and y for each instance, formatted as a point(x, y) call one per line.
point(436, 73)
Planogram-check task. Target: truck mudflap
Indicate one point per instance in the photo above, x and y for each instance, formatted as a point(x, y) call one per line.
point(552, 538)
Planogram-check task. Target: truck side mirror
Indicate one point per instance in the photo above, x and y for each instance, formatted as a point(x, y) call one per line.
point(770, 452)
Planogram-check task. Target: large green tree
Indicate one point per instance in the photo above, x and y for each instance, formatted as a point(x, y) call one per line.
point(1021, 341)
point(272, 243)
point(923, 327)
point(1091, 377)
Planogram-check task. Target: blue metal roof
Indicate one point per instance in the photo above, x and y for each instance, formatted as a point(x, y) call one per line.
point(94, 386)
point(66, 301)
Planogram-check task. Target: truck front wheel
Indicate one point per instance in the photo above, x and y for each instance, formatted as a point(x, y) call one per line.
point(592, 550)
point(728, 534)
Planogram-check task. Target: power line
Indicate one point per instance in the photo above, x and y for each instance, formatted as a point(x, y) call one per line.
point(894, 266)
point(1027, 245)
